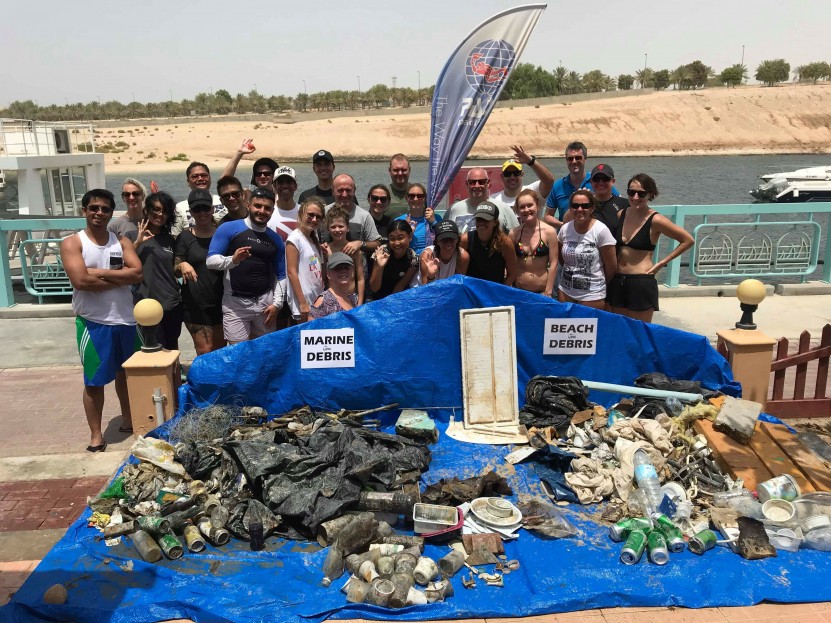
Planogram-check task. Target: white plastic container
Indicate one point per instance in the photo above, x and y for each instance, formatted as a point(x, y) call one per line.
point(429, 518)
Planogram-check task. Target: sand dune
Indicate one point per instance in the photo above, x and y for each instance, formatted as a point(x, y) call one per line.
point(748, 120)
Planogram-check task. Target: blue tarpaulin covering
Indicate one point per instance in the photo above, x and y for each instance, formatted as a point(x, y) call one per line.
point(407, 351)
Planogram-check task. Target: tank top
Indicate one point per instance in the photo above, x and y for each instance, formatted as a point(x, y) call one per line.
point(113, 306)
point(483, 265)
point(445, 270)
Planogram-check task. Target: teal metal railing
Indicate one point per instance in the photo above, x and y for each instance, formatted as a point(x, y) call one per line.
point(734, 241)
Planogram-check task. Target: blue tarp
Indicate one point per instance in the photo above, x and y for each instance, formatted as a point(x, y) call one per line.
point(407, 349)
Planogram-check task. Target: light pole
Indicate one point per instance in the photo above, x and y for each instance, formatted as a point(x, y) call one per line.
point(644, 61)
point(171, 96)
point(419, 79)
point(742, 56)
point(359, 84)
point(304, 88)
point(133, 95)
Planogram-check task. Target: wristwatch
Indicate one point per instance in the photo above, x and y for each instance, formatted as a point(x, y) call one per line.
point(532, 161)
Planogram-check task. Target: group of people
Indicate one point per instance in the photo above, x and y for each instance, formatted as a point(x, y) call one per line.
point(243, 262)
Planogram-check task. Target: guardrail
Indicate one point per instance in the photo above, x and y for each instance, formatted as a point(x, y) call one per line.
point(786, 247)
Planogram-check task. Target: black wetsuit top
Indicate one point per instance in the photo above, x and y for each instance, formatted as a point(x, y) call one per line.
point(484, 265)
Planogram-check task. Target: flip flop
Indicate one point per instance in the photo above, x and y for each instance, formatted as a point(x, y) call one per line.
point(125, 429)
point(100, 448)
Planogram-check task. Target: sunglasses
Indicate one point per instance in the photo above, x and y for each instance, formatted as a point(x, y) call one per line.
point(314, 217)
point(200, 208)
point(377, 199)
point(98, 208)
point(234, 194)
point(512, 173)
point(483, 182)
point(601, 179)
point(135, 193)
point(574, 158)
point(640, 193)
point(263, 173)
point(581, 206)
point(416, 195)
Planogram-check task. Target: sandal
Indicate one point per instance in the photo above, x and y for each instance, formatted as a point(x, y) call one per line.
point(100, 448)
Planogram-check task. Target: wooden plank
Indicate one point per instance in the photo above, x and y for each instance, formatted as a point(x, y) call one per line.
point(814, 468)
point(801, 368)
point(779, 375)
point(822, 365)
point(776, 459)
point(805, 408)
point(808, 356)
point(737, 460)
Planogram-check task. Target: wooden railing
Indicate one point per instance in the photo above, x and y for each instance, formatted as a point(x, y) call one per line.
point(798, 406)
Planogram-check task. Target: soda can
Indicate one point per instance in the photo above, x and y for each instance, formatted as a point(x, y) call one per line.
point(633, 548)
point(193, 539)
point(171, 546)
point(673, 536)
point(620, 531)
point(657, 548)
point(703, 541)
point(153, 525)
point(146, 546)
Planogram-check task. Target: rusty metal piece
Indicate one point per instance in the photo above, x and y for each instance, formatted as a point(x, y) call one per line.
point(468, 581)
point(490, 541)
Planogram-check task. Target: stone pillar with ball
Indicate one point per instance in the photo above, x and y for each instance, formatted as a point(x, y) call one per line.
point(749, 351)
point(153, 373)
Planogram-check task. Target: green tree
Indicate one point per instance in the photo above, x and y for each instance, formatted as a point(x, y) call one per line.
point(661, 80)
point(699, 72)
point(625, 82)
point(813, 72)
point(645, 77)
point(772, 71)
point(573, 83)
point(733, 75)
point(301, 102)
point(560, 74)
point(594, 81)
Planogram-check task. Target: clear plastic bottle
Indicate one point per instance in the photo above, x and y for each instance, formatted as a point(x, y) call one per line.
point(647, 479)
point(674, 405)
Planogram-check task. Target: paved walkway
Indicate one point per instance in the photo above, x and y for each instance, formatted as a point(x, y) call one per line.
point(45, 476)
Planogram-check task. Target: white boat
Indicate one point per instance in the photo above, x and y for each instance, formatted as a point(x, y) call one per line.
point(800, 186)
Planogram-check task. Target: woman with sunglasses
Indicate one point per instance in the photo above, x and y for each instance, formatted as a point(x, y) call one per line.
point(304, 260)
point(133, 193)
point(378, 199)
point(154, 246)
point(633, 291)
point(536, 245)
point(201, 286)
point(422, 220)
point(587, 253)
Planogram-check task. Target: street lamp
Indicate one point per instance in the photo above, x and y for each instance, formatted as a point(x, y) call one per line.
point(750, 293)
point(644, 61)
point(419, 80)
point(304, 88)
point(359, 84)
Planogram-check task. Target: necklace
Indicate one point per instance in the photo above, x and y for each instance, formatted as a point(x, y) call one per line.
point(523, 251)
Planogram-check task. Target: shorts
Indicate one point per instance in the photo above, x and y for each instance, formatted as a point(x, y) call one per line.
point(242, 316)
point(209, 317)
point(633, 292)
point(103, 349)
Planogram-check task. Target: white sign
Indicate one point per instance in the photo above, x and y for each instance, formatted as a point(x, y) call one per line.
point(570, 336)
point(327, 348)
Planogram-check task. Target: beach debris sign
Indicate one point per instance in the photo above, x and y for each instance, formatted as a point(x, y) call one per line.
point(469, 86)
point(327, 348)
point(570, 336)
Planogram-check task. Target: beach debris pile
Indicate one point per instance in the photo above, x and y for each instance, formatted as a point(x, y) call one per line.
point(664, 487)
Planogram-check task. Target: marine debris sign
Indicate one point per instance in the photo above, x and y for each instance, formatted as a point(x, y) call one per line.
point(327, 348)
point(570, 336)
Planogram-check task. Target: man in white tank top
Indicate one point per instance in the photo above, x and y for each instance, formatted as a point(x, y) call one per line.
point(102, 268)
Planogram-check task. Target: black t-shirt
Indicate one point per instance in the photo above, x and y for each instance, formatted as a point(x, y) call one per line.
point(382, 224)
point(607, 211)
point(206, 291)
point(160, 283)
point(328, 196)
point(394, 271)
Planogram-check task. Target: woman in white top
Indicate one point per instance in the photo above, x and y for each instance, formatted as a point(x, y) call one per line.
point(304, 261)
point(446, 258)
point(587, 253)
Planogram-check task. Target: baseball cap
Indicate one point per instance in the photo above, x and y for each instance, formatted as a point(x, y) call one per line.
point(270, 162)
point(200, 197)
point(511, 163)
point(264, 193)
point(285, 172)
point(323, 155)
point(486, 210)
point(447, 229)
point(603, 169)
point(338, 259)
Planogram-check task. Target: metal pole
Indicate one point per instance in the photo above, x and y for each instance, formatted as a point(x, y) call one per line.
point(419, 80)
point(359, 84)
point(304, 88)
point(742, 55)
point(644, 61)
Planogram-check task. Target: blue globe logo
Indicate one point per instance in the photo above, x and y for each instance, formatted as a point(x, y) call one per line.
point(489, 64)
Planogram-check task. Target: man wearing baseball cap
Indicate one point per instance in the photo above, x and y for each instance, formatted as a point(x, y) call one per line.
point(323, 164)
point(263, 172)
point(513, 173)
point(608, 204)
point(284, 219)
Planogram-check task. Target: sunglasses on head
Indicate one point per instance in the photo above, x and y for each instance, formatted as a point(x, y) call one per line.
point(416, 195)
point(640, 193)
point(379, 199)
point(483, 182)
point(135, 193)
point(99, 208)
point(513, 173)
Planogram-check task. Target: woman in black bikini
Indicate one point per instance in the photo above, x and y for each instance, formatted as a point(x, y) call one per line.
point(633, 291)
point(536, 246)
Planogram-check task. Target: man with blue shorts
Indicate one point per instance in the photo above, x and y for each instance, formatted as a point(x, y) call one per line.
point(101, 268)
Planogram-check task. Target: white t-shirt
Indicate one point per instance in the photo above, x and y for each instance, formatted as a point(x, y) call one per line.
point(501, 197)
point(284, 221)
point(462, 213)
point(309, 270)
point(583, 277)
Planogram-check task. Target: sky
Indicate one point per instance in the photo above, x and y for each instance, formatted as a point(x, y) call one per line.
point(55, 51)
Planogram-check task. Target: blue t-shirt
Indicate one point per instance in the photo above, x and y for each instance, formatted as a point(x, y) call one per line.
point(255, 275)
point(562, 190)
point(422, 232)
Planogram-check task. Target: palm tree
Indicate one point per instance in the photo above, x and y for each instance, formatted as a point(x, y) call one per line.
point(645, 77)
point(572, 83)
point(560, 74)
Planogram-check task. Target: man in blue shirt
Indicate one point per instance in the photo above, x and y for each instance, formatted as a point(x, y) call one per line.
point(557, 202)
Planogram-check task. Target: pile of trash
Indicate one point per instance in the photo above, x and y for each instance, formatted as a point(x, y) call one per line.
point(586, 454)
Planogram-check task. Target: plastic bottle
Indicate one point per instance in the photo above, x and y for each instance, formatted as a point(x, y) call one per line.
point(674, 405)
point(647, 479)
